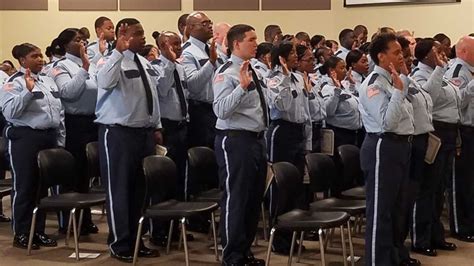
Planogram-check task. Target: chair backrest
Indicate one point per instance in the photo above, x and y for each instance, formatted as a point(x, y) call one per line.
point(93, 164)
point(349, 156)
point(56, 167)
point(160, 177)
point(321, 170)
point(287, 177)
point(202, 168)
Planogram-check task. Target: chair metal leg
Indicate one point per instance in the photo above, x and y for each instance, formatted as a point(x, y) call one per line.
point(300, 246)
point(180, 241)
point(79, 226)
point(68, 230)
point(343, 243)
point(185, 241)
point(326, 240)
point(264, 222)
point(270, 243)
point(351, 247)
point(32, 230)
point(331, 235)
point(292, 247)
point(321, 247)
point(170, 235)
point(137, 241)
point(214, 234)
point(74, 229)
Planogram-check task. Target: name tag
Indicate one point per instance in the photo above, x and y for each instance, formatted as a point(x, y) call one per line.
point(202, 62)
point(131, 74)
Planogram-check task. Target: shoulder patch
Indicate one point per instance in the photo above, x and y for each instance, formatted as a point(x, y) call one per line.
point(57, 62)
point(225, 66)
point(219, 78)
point(338, 53)
point(14, 76)
point(373, 78)
point(8, 86)
point(372, 91)
point(324, 84)
point(415, 70)
point(186, 45)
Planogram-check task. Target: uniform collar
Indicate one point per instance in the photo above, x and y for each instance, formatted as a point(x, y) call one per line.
point(74, 58)
point(384, 73)
point(235, 59)
point(33, 75)
point(425, 67)
point(344, 49)
point(54, 59)
point(129, 54)
point(198, 43)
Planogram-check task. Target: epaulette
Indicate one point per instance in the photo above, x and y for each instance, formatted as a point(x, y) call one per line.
point(415, 70)
point(57, 62)
point(14, 76)
point(457, 70)
point(225, 66)
point(373, 78)
point(186, 45)
point(90, 44)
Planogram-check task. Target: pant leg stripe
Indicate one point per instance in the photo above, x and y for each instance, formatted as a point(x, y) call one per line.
point(111, 202)
point(413, 233)
point(455, 209)
point(226, 158)
point(376, 198)
point(14, 179)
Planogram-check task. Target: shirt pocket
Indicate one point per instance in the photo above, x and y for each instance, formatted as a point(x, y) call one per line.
point(131, 73)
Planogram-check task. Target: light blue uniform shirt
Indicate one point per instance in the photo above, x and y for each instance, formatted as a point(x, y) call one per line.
point(93, 51)
point(422, 107)
point(121, 96)
point(170, 107)
point(260, 67)
point(342, 52)
point(77, 87)
point(199, 70)
point(383, 107)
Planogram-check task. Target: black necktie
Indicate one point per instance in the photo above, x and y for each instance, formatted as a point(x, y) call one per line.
point(149, 96)
point(260, 95)
point(206, 48)
point(179, 90)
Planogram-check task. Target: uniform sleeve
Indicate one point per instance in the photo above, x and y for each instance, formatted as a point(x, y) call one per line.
point(433, 85)
point(308, 135)
point(109, 69)
point(227, 96)
point(14, 98)
point(280, 92)
point(467, 94)
point(70, 87)
point(94, 56)
point(166, 76)
point(197, 78)
point(61, 139)
point(331, 99)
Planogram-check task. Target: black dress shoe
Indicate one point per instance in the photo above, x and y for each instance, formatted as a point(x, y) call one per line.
point(42, 239)
point(410, 262)
point(162, 240)
point(21, 241)
point(445, 246)
point(89, 229)
point(252, 261)
point(125, 256)
point(148, 253)
point(464, 238)
point(4, 219)
point(425, 251)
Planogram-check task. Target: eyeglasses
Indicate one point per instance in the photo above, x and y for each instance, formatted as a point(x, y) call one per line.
point(205, 23)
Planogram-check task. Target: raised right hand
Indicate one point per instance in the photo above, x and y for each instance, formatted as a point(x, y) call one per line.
point(30, 81)
point(284, 66)
point(168, 52)
point(397, 81)
point(245, 75)
point(102, 44)
point(84, 57)
point(123, 42)
point(213, 51)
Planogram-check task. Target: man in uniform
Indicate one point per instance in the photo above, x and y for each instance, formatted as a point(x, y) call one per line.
point(385, 153)
point(220, 34)
point(104, 28)
point(241, 108)
point(273, 34)
point(128, 114)
point(347, 41)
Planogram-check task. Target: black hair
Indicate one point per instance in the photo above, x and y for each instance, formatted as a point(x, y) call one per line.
point(301, 50)
point(320, 52)
point(453, 52)
point(99, 22)
point(440, 37)
point(315, 40)
point(49, 51)
point(471, 35)
point(302, 35)
point(380, 45)
point(353, 57)
point(85, 32)
point(155, 35)
point(263, 49)
point(365, 48)
point(330, 43)
point(8, 62)
point(360, 28)
point(237, 33)
point(404, 43)
point(146, 50)
point(66, 36)
point(182, 19)
point(330, 63)
point(344, 34)
point(283, 49)
point(269, 31)
point(423, 48)
point(128, 21)
point(56, 49)
point(22, 50)
point(288, 37)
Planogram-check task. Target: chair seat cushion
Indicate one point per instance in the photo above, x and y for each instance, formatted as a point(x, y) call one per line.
point(354, 193)
point(176, 209)
point(97, 189)
point(6, 182)
point(71, 200)
point(352, 207)
point(212, 195)
point(5, 191)
point(296, 220)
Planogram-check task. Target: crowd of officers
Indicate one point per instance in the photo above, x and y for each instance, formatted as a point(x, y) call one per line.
point(214, 85)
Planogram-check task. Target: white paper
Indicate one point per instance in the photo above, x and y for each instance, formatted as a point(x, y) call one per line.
point(85, 255)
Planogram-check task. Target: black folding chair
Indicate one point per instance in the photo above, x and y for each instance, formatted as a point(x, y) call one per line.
point(349, 156)
point(202, 169)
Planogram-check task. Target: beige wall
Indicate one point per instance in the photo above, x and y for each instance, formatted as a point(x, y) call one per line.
point(40, 27)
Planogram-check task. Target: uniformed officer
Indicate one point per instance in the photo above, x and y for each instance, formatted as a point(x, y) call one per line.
point(321, 55)
point(76, 81)
point(33, 110)
point(359, 64)
point(241, 107)
point(316, 102)
point(262, 61)
point(361, 33)
point(129, 117)
point(385, 153)
point(289, 136)
point(461, 182)
point(200, 60)
point(57, 53)
point(341, 102)
point(428, 75)
point(104, 28)
point(273, 34)
point(220, 33)
point(347, 41)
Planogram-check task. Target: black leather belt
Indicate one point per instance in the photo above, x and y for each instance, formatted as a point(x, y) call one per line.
point(282, 122)
point(467, 129)
point(443, 125)
point(172, 123)
point(241, 133)
point(393, 136)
